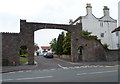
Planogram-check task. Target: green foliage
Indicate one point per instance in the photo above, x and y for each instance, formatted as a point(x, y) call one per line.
point(23, 50)
point(70, 21)
point(60, 44)
point(53, 45)
point(105, 46)
point(57, 43)
point(36, 47)
point(87, 35)
point(67, 44)
point(23, 59)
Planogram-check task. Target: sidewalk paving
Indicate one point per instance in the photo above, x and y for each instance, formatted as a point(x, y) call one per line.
point(104, 63)
point(6, 69)
point(98, 63)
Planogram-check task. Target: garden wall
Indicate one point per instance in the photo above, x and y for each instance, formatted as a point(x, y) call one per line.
point(113, 55)
point(10, 49)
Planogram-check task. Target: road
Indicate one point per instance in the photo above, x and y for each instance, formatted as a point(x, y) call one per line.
point(51, 63)
point(53, 70)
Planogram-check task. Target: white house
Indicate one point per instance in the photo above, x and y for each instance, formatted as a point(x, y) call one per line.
point(45, 49)
point(119, 22)
point(101, 27)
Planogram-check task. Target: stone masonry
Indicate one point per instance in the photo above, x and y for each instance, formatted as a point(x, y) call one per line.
point(11, 42)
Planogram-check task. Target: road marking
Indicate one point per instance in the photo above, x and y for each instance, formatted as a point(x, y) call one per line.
point(45, 70)
point(20, 71)
point(28, 78)
point(28, 71)
point(62, 67)
point(77, 67)
point(71, 67)
point(97, 72)
point(12, 72)
point(82, 74)
point(108, 66)
point(52, 69)
point(7, 79)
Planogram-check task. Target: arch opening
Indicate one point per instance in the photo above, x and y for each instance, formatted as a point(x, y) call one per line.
point(28, 36)
point(43, 37)
point(23, 53)
point(80, 53)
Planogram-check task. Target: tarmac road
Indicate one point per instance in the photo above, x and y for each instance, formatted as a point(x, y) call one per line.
point(50, 63)
point(73, 74)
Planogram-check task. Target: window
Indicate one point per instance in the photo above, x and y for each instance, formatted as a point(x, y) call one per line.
point(102, 34)
point(118, 45)
point(101, 24)
point(117, 33)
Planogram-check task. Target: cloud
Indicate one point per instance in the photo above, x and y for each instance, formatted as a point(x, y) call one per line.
point(49, 11)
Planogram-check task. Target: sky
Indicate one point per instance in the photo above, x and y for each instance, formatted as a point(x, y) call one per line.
point(49, 11)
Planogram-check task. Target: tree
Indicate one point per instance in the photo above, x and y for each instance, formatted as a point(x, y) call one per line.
point(53, 45)
point(36, 47)
point(70, 21)
point(67, 44)
point(86, 33)
point(23, 50)
point(60, 44)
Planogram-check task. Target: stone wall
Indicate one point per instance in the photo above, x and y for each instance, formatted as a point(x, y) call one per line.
point(113, 55)
point(10, 48)
point(65, 57)
point(92, 50)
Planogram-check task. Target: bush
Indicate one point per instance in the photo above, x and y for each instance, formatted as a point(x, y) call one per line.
point(87, 35)
point(105, 46)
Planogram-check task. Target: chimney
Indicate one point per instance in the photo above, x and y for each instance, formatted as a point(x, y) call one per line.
point(89, 8)
point(106, 11)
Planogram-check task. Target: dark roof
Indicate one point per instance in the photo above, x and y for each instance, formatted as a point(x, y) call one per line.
point(116, 29)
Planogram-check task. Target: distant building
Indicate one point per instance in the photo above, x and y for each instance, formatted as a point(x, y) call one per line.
point(119, 23)
point(101, 27)
point(117, 30)
point(45, 49)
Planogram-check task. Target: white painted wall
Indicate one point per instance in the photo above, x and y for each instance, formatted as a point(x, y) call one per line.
point(119, 22)
point(104, 25)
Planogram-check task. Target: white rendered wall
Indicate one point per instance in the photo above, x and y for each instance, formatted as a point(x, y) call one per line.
point(119, 21)
point(92, 24)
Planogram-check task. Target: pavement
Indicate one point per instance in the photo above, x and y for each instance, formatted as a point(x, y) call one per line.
point(103, 63)
point(6, 69)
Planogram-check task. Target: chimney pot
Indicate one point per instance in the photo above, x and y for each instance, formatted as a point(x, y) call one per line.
point(106, 11)
point(105, 8)
point(88, 5)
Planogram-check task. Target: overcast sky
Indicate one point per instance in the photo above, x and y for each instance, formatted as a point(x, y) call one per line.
point(49, 11)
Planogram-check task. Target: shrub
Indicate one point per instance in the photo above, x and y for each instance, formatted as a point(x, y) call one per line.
point(105, 46)
point(87, 35)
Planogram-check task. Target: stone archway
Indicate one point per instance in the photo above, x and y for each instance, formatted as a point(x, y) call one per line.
point(11, 43)
point(27, 30)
